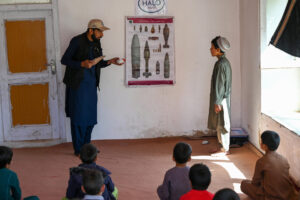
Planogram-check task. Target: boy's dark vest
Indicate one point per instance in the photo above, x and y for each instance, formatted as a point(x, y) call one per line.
point(74, 76)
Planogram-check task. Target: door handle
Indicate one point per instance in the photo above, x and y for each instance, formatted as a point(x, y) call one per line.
point(52, 66)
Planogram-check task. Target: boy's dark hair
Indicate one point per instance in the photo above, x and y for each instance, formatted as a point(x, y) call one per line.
point(214, 42)
point(6, 155)
point(271, 139)
point(226, 194)
point(200, 176)
point(182, 152)
point(88, 153)
point(92, 181)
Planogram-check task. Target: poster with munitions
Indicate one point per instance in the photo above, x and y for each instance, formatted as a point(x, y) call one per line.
point(150, 51)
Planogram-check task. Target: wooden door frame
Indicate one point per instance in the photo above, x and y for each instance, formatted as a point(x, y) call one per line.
point(53, 7)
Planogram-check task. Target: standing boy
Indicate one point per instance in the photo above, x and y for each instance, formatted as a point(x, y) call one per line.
point(271, 178)
point(176, 180)
point(220, 90)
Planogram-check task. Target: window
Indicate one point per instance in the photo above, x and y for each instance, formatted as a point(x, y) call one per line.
point(280, 72)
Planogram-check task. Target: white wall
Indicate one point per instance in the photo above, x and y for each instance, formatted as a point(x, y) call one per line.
point(157, 111)
point(250, 59)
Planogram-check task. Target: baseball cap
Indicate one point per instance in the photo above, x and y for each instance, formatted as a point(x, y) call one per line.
point(97, 23)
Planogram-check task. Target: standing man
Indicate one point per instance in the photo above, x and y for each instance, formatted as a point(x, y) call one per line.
point(84, 60)
point(220, 90)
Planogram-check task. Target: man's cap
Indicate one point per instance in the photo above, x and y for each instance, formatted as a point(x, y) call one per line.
point(223, 44)
point(97, 23)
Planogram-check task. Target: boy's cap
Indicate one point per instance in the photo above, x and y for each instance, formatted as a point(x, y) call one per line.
point(223, 44)
point(97, 23)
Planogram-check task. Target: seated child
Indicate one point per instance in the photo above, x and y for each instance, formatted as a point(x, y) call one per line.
point(226, 194)
point(200, 178)
point(176, 181)
point(9, 182)
point(271, 179)
point(88, 156)
point(93, 185)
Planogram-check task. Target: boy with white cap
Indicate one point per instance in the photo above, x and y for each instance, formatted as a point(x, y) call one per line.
point(219, 108)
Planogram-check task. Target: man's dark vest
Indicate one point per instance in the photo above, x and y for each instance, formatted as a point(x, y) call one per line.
point(74, 76)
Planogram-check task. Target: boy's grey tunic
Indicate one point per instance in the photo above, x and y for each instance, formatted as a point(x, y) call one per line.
point(220, 90)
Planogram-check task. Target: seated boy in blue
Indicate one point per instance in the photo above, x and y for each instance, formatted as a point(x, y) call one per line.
point(9, 182)
point(226, 194)
point(176, 181)
point(93, 185)
point(200, 178)
point(88, 156)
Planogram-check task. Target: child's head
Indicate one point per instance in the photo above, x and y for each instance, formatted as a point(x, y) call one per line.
point(200, 176)
point(88, 153)
point(6, 155)
point(93, 182)
point(270, 139)
point(219, 45)
point(226, 194)
point(182, 152)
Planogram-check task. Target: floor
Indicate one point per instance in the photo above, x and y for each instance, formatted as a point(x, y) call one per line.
point(137, 166)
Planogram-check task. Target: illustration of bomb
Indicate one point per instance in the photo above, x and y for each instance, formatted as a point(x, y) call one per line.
point(152, 29)
point(146, 28)
point(157, 67)
point(166, 33)
point(167, 66)
point(147, 57)
point(134, 28)
point(135, 56)
point(141, 28)
point(159, 28)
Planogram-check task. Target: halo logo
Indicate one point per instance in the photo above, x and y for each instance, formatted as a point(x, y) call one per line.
point(151, 6)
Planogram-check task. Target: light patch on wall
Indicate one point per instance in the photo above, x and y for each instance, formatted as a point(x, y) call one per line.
point(223, 158)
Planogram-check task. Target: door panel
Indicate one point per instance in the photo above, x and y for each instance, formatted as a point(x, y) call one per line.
point(29, 104)
point(26, 41)
point(29, 88)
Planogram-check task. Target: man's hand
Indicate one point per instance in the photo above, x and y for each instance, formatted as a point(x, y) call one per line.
point(87, 64)
point(218, 108)
point(114, 61)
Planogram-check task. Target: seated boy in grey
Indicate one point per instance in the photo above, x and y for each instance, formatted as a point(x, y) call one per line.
point(176, 181)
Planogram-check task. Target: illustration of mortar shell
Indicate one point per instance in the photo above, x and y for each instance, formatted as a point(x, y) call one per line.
point(152, 29)
point(135, 56)
point(147, 57)
point(157, 67)
point(167, 66)
point(166, 33)
point(141, 28)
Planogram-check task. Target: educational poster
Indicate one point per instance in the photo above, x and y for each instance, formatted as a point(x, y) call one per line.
point(150, 51)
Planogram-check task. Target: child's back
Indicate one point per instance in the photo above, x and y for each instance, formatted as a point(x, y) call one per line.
point(9, 185)
point(276, 181)
point(88, 155)
point(175, 184)
point(176, 181)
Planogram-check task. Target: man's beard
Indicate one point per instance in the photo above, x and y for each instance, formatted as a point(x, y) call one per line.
point(95, 39)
